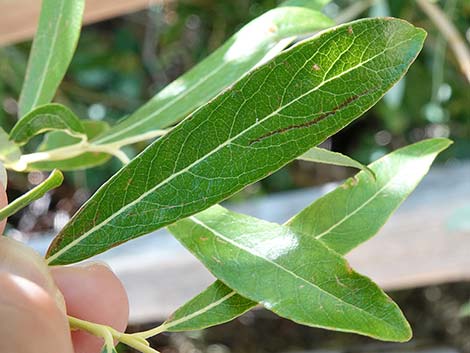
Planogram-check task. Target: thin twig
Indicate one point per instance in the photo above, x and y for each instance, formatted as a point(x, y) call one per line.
point(451, 33)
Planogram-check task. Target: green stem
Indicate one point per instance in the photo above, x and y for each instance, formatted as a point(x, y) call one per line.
point(54, 180)
point(108, 333)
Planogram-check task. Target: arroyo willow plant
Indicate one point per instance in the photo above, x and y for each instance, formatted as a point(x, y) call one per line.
point(241, 114)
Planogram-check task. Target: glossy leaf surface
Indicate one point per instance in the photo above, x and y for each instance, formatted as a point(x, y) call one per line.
point(53, 48)
point(218, 303)
point(221, 69)
point(268, 118)
point(290, 273)
point(49, 117)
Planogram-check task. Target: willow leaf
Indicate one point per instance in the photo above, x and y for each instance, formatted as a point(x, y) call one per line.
point(402, 169)
point(218, 71)
point(268, 118)
point(290, 273)
point(53, 47)
point(49, 117)
point(321, 155)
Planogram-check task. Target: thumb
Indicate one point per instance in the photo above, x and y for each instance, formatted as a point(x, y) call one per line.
point(31, 306)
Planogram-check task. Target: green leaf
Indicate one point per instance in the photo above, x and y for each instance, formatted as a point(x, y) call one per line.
point(214, 306)
point(9, 151)
point(59, 139)
point(221, 69)
point(52, 51)
point(49, 117)
point(268, 118)
point(290, 273)
point(54, 180)
point(321, 155)
point(355, 211)
point(218, 303)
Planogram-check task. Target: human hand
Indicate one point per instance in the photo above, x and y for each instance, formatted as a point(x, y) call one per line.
point(32, 313)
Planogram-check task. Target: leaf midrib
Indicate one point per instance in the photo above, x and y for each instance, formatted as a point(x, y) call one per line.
point(226, 143)
point(288, 271)
point(205, 309)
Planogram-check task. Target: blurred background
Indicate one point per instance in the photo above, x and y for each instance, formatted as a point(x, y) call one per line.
point(122, 62)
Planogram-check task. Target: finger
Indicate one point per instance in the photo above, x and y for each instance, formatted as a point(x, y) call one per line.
point(95, 294)
point(3, 203)
point(31, 321)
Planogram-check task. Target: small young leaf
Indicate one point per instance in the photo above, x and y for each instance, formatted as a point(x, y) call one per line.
point(214, 306)
point(218, 303)
point(321, 155)
point(53, 181)
point(221, 69)
point(49, 117)
point(59, 139)
point(245, 133)
point(290, 273)
point(52, 51)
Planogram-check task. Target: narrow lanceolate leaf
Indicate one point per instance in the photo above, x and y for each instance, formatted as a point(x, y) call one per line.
point(321, 155)
point(52, 51)
point(398, 173)
point(54, 180)
point(271, 116)
point(356, 210)
point(58, 139)
point(218, 71)
point(214, 306)
point(290, 273)
point(49, 117)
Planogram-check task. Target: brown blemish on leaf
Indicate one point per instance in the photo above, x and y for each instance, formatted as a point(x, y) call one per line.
point(321, 117)
point(316, 67)
point(350, 30)
point(272, 29)
point(203, 238)
point(350, 183)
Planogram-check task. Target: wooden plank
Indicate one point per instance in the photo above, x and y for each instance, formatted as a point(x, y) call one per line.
point(415, 248)
point(19, 18)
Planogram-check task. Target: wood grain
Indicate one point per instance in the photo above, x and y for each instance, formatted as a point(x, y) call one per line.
point(19, 18)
